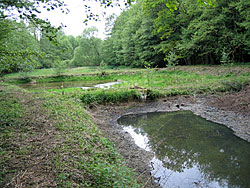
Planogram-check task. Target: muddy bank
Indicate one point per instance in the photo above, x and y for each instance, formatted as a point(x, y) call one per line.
point(139, 159)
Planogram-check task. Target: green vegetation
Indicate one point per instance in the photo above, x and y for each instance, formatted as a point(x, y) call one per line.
point(19, 49)
point(97, 161)
point(10, 108)
point(152, 32)
point(44, 73)
point(10, 114)
point(109, 96)
point(159, 32)
point(80, 156)
point(165, 82)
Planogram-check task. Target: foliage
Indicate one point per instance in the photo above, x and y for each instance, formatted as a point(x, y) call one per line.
point(18, 49)
point(109, 96)
point(196, 31)
point(225, 57)
point(61, 51)
point(60, 67)
point(149, 73)
point(171, 59)
point(103, 65)
point(19, 44)
point(29, 10)
point(88, 53)
point(132, 41)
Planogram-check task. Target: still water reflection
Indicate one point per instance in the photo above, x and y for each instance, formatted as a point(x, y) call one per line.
point(104, 84)
point(191, 151)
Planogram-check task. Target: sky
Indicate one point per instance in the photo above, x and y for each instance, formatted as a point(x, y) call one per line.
point(74, 19)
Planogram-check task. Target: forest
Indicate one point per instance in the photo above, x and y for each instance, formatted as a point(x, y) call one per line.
point(148, 32)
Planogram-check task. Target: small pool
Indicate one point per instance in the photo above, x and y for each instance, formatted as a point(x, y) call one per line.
point(190, 151)
point(70, 84)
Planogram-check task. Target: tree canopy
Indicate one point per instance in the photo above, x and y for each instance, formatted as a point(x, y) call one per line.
point(195, 33)
point(155, 32)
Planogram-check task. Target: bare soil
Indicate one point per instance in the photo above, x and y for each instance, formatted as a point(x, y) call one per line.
point(236, 102)
point(215, 70)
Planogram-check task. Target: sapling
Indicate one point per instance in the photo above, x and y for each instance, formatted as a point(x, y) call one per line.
point(225, 59)
point(149, 68)
point(59, 67)
point(171, 59)
point(149, 74)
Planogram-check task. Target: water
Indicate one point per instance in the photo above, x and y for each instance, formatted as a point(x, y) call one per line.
point(106, 85)
point(190, 151)
point(73, 84)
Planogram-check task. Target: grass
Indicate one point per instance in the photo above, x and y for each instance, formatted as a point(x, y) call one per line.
point(10, 109)
point(109, 96)
point(78, 154)
point(97, 161)
point(51, 72)
point(183, 80)
point(72, 72)
point(10, 113)
point(161, 83)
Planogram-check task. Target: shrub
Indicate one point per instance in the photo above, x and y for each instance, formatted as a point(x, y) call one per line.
point(109, 96)
point(232, 85)
point(153, 94)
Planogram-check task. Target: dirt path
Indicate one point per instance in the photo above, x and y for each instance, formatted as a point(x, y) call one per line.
point(31, 147)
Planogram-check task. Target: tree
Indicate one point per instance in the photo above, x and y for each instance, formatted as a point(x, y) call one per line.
point(199, 33)
point(21, 58)
point(132, 41)
point(88, 53)
point(52, 53)
point(18, 48)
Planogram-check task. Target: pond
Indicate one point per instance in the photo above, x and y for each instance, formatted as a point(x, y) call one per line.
point(190, 151)
point(70, 84)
